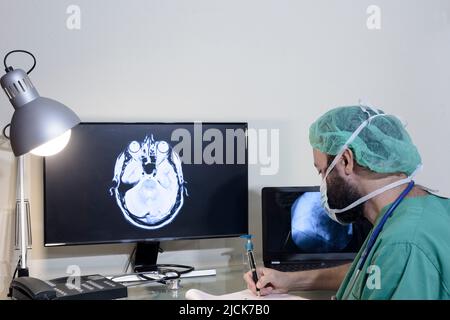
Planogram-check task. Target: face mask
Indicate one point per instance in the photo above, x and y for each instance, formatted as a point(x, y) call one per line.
point(323, 186)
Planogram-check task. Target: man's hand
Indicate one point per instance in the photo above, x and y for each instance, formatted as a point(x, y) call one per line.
point(270, 281)
point(273, 281)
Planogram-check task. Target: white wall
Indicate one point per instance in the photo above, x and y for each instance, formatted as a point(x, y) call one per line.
point(276, 64)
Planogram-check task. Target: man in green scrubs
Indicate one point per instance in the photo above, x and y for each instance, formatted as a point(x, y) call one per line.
point(364, 154)
point(412, 253)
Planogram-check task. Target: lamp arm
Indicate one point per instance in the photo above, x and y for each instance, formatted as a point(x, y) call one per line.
point(23, 269)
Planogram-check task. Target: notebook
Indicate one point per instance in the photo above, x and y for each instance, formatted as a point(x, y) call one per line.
point(195, 294)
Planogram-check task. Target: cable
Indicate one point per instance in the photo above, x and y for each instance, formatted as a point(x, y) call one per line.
point(22, 51)
point(4, 131)
point(17, 268)
point(9, 295)
point(130, 258)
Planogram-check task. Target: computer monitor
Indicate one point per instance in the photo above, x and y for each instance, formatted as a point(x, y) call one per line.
point(147, 182)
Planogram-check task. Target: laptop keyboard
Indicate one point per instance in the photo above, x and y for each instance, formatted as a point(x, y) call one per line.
point(305, 266)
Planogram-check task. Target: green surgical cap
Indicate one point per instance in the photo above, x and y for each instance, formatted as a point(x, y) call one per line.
point(383, 145)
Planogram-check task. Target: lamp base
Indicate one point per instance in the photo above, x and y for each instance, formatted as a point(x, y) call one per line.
point(23, 272)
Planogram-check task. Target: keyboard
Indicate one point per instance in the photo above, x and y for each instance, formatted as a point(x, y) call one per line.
point(289, 267)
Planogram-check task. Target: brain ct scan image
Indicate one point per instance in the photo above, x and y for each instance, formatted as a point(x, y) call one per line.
point(148, 183)
point(312, 229)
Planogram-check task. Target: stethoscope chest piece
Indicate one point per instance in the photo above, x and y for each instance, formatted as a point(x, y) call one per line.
point(173, 284)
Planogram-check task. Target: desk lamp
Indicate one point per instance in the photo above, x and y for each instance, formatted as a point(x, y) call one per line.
point(39, 125)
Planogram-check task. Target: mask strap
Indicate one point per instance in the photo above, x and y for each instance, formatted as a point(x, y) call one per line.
point(379, 191)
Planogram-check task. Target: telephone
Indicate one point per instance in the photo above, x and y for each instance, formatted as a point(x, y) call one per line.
point(28, 288)
point(90, 287)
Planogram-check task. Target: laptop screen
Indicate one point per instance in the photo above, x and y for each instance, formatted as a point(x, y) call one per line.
point(297, 227)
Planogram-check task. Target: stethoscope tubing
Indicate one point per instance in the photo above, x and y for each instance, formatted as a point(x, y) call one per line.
point(373, 238)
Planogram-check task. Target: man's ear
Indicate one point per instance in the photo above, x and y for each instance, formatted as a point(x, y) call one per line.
point(348, 159)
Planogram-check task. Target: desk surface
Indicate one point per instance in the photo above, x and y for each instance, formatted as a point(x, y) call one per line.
point(227, 280)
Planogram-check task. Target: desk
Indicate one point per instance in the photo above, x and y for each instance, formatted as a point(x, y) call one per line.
point(227, 280)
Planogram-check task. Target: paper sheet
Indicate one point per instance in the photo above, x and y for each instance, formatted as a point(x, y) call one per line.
point(194, 294)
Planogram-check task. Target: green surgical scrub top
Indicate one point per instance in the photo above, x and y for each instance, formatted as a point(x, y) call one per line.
point(411, 256)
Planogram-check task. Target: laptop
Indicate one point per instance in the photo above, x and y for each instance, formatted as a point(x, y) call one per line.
point(299, 235)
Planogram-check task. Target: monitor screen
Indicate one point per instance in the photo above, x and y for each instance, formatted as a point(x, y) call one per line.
point(296, 223)
point(130, 182)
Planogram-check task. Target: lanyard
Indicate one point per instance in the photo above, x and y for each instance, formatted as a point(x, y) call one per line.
point(373, 238)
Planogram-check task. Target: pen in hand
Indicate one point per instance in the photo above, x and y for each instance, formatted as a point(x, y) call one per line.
point(251, 261)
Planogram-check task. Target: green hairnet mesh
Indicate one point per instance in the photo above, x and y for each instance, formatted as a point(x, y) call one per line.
point(383, 146)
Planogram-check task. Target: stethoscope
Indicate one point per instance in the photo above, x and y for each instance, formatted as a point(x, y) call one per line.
point(168, 274)
point(373, 238)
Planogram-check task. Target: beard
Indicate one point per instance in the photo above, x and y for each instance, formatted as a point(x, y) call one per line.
point(340, 195)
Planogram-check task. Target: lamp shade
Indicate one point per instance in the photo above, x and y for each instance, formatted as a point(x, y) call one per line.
point(36, 120)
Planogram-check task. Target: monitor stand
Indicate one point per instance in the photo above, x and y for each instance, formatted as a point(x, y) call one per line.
point(146, 256)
